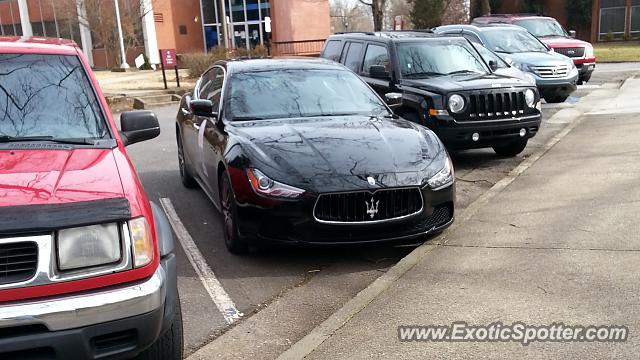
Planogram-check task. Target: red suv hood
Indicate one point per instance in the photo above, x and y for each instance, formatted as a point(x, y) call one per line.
point(30, 177)
point(559, 42)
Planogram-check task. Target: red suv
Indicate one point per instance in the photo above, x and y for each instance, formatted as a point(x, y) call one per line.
point(554, 35)
point(87, 268)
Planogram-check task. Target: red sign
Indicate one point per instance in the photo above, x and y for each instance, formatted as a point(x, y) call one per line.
point(168, 57)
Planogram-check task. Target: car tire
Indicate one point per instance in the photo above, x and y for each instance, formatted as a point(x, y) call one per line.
point(170, 345)
point(185, 174)
point(511, 149)
point(556, 99)
point(232, 239)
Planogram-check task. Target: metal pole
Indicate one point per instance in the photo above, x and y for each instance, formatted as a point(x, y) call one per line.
point(1, 26)
point(124, 64)
point(225, 30)
point(44, 30)
point(13, 21)
point(55, 18)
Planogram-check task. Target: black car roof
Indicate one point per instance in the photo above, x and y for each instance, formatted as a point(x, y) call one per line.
point(279, 63)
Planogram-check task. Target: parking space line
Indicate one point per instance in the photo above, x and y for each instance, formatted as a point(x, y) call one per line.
point(207, 277)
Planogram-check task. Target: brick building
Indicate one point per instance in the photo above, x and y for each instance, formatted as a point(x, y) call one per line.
point(288, 27)
point(610, 19)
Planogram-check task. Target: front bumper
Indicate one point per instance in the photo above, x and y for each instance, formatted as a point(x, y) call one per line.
point(292, 222)
point(458, 135)
point(115, 322)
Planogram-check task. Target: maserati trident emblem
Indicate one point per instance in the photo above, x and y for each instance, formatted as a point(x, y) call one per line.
point(373, 209)
point(371, 180)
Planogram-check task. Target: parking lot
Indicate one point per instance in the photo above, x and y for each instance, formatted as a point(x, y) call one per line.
point(253, 281)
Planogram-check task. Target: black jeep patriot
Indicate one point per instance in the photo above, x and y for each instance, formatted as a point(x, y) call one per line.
point(443, 83)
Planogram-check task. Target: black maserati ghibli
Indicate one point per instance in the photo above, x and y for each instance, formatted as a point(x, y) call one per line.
point(302, 151)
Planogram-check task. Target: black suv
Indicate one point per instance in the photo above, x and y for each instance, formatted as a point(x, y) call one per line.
point(444, 84)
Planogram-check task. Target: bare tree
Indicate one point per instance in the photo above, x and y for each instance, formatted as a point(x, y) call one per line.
point(377, 10)
point(349, 16)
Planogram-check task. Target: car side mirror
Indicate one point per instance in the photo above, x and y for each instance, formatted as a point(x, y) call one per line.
point(493, 65)
point(394, 100)
point(137, 126)
point(378, 72)
point(201, 108)
point(572, 33)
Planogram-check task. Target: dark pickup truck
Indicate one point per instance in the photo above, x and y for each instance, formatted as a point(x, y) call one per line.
point(444, 84)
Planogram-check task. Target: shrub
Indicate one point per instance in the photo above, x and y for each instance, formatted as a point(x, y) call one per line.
point(198, 63)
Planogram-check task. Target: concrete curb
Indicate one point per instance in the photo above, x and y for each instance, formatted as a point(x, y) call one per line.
point(326, 329)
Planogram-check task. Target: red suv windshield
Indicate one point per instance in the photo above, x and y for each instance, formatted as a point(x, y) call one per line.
point(542, 27)
point(47, 96)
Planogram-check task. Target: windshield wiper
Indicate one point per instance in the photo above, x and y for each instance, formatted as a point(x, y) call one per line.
point(78, 141)
point(464, 72)
point(249, 118)
point(425, 73)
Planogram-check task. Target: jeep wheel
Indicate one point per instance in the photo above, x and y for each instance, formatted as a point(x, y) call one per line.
point(185, 174)
point(556, 99)
point(169, 345)
point(511, 149)
point(232, 240)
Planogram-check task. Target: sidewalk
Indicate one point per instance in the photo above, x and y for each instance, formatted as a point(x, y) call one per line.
point(140, 83)
point(559, 244)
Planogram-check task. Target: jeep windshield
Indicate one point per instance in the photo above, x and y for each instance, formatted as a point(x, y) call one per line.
point(295, 93)
point(512, 41)
point(48, 98)
point(542, 27)
point(439, 57)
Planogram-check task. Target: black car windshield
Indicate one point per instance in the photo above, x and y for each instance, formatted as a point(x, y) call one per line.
point(294, 93)
point(542, 27)
point(47, 96)
point(513, 41)
point(439, 57)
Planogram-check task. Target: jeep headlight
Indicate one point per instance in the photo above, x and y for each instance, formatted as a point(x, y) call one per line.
point(456, 103)
point(530, 98)
point(88, 246)
point(444, 178)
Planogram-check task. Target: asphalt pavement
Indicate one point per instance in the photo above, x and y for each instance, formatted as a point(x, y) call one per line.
point(303, 286)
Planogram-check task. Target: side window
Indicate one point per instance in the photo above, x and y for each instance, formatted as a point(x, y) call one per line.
point(216, 87)
point(352, 60)
point(375, 55)
point(332, 50)
point(205, 84)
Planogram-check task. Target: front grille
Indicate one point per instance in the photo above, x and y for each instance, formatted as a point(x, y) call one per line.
point(551, 72)
point(576, 52)
point(495, 105)
point(367, 207)
point(18, 261)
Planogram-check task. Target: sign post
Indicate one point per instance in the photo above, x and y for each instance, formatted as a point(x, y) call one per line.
point(168, 60)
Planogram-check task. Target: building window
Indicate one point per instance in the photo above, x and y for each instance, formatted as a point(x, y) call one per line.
point(612, 19)
point(246, 22)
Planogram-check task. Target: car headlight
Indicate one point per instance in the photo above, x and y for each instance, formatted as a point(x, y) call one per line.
point(456, 103)
point(141, 241)
point(530, 98)
point(444, 178)
point(588, 51)
point(88, 246)
point(522, 67)
point(263, 185)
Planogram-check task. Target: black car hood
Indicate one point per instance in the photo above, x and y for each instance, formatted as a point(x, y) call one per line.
point(447, 84)
point(339, 153)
